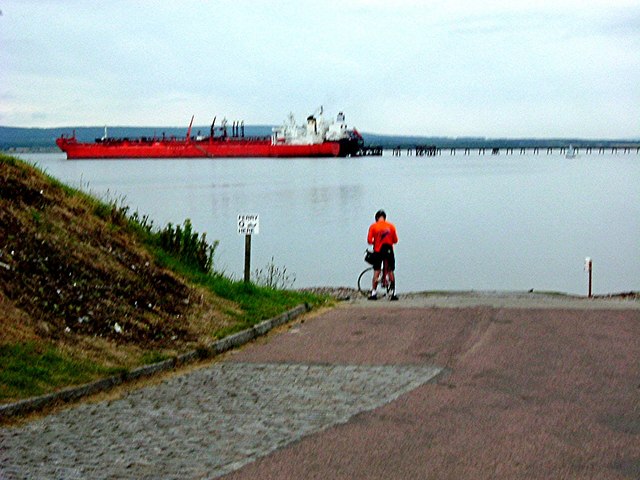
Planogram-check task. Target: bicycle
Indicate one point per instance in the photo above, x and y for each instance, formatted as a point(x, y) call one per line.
point(364, 280)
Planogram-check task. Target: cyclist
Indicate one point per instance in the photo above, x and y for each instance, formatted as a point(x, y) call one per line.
point(382, 235)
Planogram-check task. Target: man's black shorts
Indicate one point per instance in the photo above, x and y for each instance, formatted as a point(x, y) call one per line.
point(385, 253)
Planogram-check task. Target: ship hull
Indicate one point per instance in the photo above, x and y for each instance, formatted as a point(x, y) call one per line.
point(209, 148)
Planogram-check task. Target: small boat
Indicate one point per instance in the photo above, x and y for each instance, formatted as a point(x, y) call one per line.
point(318, 138)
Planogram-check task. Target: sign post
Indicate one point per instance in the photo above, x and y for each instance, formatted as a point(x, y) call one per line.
point(588, 266)
point(247, 258)
point(248, 224)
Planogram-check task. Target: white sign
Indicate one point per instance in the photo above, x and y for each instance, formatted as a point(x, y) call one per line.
point(248, 224)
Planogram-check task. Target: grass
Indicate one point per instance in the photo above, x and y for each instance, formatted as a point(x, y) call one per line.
point(28, 369)
point(256, 303)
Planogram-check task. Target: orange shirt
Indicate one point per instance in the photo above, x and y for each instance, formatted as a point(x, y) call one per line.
point(381, 233)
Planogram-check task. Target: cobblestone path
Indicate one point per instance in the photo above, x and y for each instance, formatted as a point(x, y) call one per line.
point(203, 424)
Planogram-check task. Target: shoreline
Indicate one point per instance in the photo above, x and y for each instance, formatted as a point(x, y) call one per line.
point(498, 299)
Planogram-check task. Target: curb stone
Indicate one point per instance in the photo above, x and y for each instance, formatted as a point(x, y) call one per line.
point(218, 347)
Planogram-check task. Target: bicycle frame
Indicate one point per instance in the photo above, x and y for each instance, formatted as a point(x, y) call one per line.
point(364, 280)
point(384, 276)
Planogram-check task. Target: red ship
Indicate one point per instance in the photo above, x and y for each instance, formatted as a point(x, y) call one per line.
point(317, 138)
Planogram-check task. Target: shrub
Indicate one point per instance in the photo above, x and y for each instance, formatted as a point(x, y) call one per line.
point(188, 246)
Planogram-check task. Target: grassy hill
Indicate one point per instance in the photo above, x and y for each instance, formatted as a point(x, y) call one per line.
point(87, 290)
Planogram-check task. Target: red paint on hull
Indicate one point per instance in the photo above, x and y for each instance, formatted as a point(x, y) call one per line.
point(208, 148)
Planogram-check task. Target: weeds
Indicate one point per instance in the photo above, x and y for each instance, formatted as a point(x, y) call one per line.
point(272, 276)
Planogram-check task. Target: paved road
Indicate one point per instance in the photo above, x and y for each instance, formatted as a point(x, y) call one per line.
point(454, 386)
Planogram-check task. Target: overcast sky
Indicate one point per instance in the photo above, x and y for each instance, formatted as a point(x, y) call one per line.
point(539, 68)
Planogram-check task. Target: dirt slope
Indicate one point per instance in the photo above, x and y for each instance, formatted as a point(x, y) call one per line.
point(73, 272)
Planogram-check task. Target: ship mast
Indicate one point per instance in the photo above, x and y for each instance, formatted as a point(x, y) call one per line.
point(189, 130)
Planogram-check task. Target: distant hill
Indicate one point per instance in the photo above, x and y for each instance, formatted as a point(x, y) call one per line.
point(12, 138)
point(16, 138)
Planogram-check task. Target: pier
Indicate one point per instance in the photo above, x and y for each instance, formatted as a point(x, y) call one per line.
point(370, 151)
point(568, 150)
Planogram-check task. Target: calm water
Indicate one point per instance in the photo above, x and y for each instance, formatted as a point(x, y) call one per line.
point(481, 222)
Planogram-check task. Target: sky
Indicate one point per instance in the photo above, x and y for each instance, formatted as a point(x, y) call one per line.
point(456, 68)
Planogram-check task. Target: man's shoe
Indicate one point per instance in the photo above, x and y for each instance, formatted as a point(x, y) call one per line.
point(372, 297)
point(394, 297)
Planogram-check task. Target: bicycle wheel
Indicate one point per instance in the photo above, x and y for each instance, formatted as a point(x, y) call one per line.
point(364, 281)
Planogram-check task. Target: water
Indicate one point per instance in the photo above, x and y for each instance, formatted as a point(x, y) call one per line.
point(465, 222)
